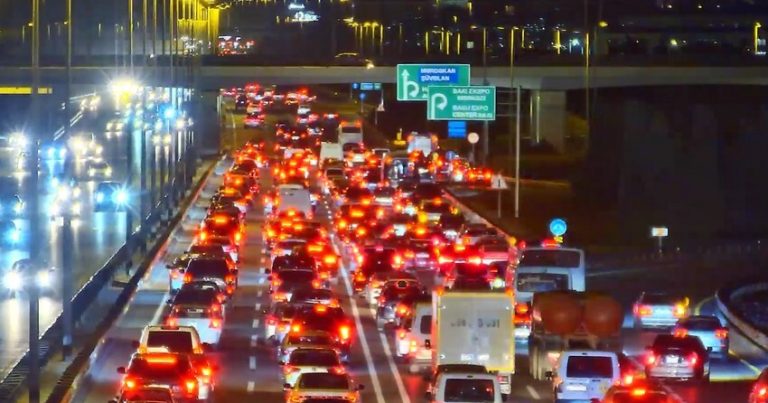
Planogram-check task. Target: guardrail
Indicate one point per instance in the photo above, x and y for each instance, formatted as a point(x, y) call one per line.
point(725, 297)
point(13, 383)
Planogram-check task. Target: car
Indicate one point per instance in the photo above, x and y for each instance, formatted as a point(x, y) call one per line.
point(277, 322)
point(111, 196)
point(201, 308)
point(309, 360)
point(758, 393)
point(412, 338)
point(255, 119)
point(144, 394)
point(352, 59)
point(450, 386)
point(178, 266)
point(306, 339)
point(325, 386)
point(390, 297)
point(659, 310)
point(677, 357)
point(638, 392)
point(99, 169)
point(285, 282)
point(323, 318)
point(583, 375)
point(10, 234)
point(174, 371)
point(11, 204)
point(66, 200)
point(708, 329)
point(216, 270)
point(310, 296)
point(253, 107)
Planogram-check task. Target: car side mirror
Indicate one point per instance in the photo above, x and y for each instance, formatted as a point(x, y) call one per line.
point(549, 375)
point(361, 387)
point(287, 386)
point(135, 344)
point(268, 271)
point(121, 370)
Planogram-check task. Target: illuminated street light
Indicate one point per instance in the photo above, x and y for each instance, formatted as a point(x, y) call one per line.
point(13, 281)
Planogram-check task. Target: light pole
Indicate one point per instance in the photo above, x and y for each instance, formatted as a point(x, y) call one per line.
point(756, 37)
point(485, 82)
point(26, 276)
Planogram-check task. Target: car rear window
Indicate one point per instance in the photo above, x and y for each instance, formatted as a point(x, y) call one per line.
point(589, 367)
point(215, 268)
point(468, 390)
point(175, 341)
point(322, 358)
point(660, 299)
point(296, 276)
point(319, 380)
point(550, 258)
point(702, 323)
point(175, 367)
point(318, 340)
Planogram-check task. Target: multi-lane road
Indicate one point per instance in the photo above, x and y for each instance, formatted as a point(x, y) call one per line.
point(249, 369)
point(96, 235)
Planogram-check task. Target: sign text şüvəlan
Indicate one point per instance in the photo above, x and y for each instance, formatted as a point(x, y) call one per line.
point(437, 74)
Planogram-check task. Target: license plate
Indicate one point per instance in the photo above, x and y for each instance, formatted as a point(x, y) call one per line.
point(672, 359)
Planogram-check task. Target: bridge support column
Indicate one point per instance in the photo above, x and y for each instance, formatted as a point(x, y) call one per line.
point(549, 117)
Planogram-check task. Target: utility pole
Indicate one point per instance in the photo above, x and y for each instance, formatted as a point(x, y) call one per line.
point(130, 35)
point(66, 230)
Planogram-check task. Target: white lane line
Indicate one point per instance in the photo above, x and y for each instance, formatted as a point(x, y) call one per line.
point(259, 293)
point(255, 323)
point(254, 340)
point(392, 367)
point(251, 386)
point(160, 309)
point(252, 362)
point(534, 394)
point(363, 342)
point(258, 307)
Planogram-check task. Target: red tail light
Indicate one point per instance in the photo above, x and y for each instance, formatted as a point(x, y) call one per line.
point(230, 278)
point(360, 276)
point(129, 383)
point(190, 385)
point(290, 368)
point(276, 282)
point(238, 237)
point(215, 323)
point(762, 391)
point(402, 309)
point(643, 310)
point(344, 332)
point(522, 308)
point(203, 235)
point(337, 370)
point(324, 275)
point(171, 321)
point(693, 359)
point(442, 259)
point(216, 308)
point(680, 310)
point(188, 278)
point(476, 260)
point(271, 321)
point(650, 359)
point(317, 284)
point(295, 328)
point(679, 332)
point(721, 333)
point(639, 391)
point(627, 379)
point(401, 334)
point(206, 371)
point(329, 259)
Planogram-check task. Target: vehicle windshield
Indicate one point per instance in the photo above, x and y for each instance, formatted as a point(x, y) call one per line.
point(321, 380)
point(296, 276)
point(334, 172)
point(550, 258)
point(350, 129)
point(320, 358)
point(589, 367)
point(203, 268)
point(701, 323)
point(661, 299)
point(174, 341)
point(318, 340)
point(469, 390)
point(541, 282)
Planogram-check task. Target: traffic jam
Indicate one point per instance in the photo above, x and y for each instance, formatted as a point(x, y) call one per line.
point(346, 230)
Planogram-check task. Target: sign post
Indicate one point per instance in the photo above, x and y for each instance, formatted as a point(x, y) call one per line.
point(558, 227)
point(473, 138)
point(461, 103)
point(414, 79)
point(498, 183)
point(659, 233)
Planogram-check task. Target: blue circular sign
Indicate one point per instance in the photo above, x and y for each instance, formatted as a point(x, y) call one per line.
point(362, 95)
point(558, 227)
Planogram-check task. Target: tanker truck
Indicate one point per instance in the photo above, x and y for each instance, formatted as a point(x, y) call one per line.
point(568, 320)
point(475, 328)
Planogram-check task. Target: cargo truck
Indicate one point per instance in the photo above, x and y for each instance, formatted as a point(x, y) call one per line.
point(570, 320)
point(474, 328)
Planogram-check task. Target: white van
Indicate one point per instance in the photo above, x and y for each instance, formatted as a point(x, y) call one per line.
point(294, 197)
point(413, 338)
point(465, 388)
point(330, 151)
point(584, 375)
point(350, 132)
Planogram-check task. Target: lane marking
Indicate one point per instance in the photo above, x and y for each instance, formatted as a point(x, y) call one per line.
point(258, 307)
point(393, 368)
point(254, 340)
point(744, 361)
point(252, 362)
point(160, 308)
point(259, 293)
point(251, 386)
point(255, 323)
point(361, 335)
point(534, 394)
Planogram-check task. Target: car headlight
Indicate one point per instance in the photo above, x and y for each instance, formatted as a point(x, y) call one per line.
point(91, 172)
point(62, 152)
point(76, 209)
point(99, 197)
point(51, 152)
point(108, 171)
point(15, 235)
point(18, 208)
point(120, 197)
point(13, 281)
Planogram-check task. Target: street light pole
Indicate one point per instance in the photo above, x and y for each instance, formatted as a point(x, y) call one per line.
point(66, 230)
point(130, 34)
point(34, 342)
point(486, 140)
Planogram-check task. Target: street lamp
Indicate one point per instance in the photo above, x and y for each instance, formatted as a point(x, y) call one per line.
point(26, 276)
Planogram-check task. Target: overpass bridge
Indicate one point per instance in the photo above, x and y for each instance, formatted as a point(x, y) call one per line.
point(546, 86)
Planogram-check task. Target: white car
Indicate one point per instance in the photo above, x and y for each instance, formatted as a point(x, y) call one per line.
point(66, 200)
point(310, 360)
point(584, 374)
point(413, 338)
point(454, 386)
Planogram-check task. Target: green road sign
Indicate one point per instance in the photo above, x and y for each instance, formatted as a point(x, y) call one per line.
point(461, 103)
point(414, 79)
